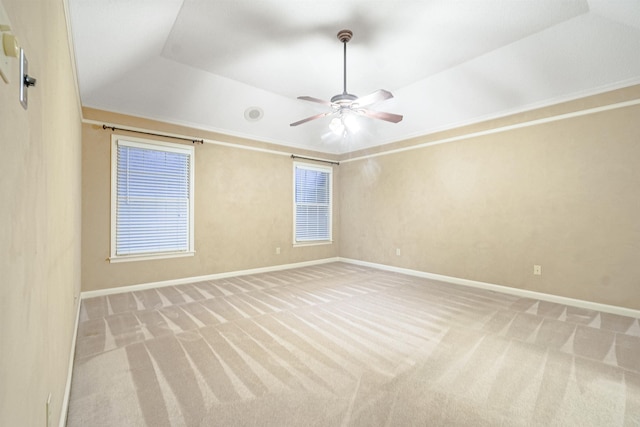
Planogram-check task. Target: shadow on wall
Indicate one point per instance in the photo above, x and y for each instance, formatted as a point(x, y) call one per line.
point(370, 172)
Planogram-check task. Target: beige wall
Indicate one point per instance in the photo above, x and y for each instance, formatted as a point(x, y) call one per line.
point(561, 194)
point(243, 210)
point(40, 217)
point(564, 195)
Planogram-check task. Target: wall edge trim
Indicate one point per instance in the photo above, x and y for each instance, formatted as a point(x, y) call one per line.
point(72, 55)
point(64, 411)
point(194, 279)
point(525, 124)
point(605, 308)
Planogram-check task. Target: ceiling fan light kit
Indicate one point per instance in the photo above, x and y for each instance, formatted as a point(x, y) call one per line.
point(336, 126)
point(346, 105)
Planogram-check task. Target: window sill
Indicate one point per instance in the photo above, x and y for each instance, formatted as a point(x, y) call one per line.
point(314, 243)
point(148, 257)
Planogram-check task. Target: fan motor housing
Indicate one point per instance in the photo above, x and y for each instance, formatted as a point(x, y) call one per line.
point(343, 98)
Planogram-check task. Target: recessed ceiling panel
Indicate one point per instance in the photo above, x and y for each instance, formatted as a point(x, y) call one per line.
point(203, 63)
point(290, 47)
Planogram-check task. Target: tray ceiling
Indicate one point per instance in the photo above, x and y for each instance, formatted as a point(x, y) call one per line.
point(447, 62)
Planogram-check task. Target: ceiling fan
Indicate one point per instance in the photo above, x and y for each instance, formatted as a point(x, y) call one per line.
point(345, 103)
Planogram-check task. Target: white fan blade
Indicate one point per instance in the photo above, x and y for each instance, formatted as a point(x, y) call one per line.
point(308, 119)
point(389, 117)
point(372, 98)
point(316, 100)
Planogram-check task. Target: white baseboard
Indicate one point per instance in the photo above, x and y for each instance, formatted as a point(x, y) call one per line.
point(110, 291)
point(621, 311)
point(67, 389)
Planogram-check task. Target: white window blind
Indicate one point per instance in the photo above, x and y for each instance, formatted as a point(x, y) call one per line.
point(153, 200)
point(312, 200)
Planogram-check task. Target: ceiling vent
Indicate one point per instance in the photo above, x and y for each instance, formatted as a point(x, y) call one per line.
point(253, 114)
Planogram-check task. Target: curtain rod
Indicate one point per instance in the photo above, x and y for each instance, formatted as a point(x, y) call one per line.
point(193, 140)
point(293, 156)
point(201, 141)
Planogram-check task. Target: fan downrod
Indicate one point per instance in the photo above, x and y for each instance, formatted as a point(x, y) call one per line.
point(344, 98)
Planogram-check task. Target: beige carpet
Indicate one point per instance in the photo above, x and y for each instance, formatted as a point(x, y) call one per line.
point(344, 345)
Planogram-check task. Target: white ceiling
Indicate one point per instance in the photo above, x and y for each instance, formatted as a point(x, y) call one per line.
point(202, 63)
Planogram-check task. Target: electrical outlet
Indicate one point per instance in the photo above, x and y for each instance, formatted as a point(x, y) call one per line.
point(537, 270)
point(398, 251)
point(277, 251)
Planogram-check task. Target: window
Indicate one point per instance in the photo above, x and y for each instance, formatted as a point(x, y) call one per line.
point(312, 203)
point(151, 199)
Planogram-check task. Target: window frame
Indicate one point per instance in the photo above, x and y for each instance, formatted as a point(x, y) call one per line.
point(152, 145)
point(319, 168)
